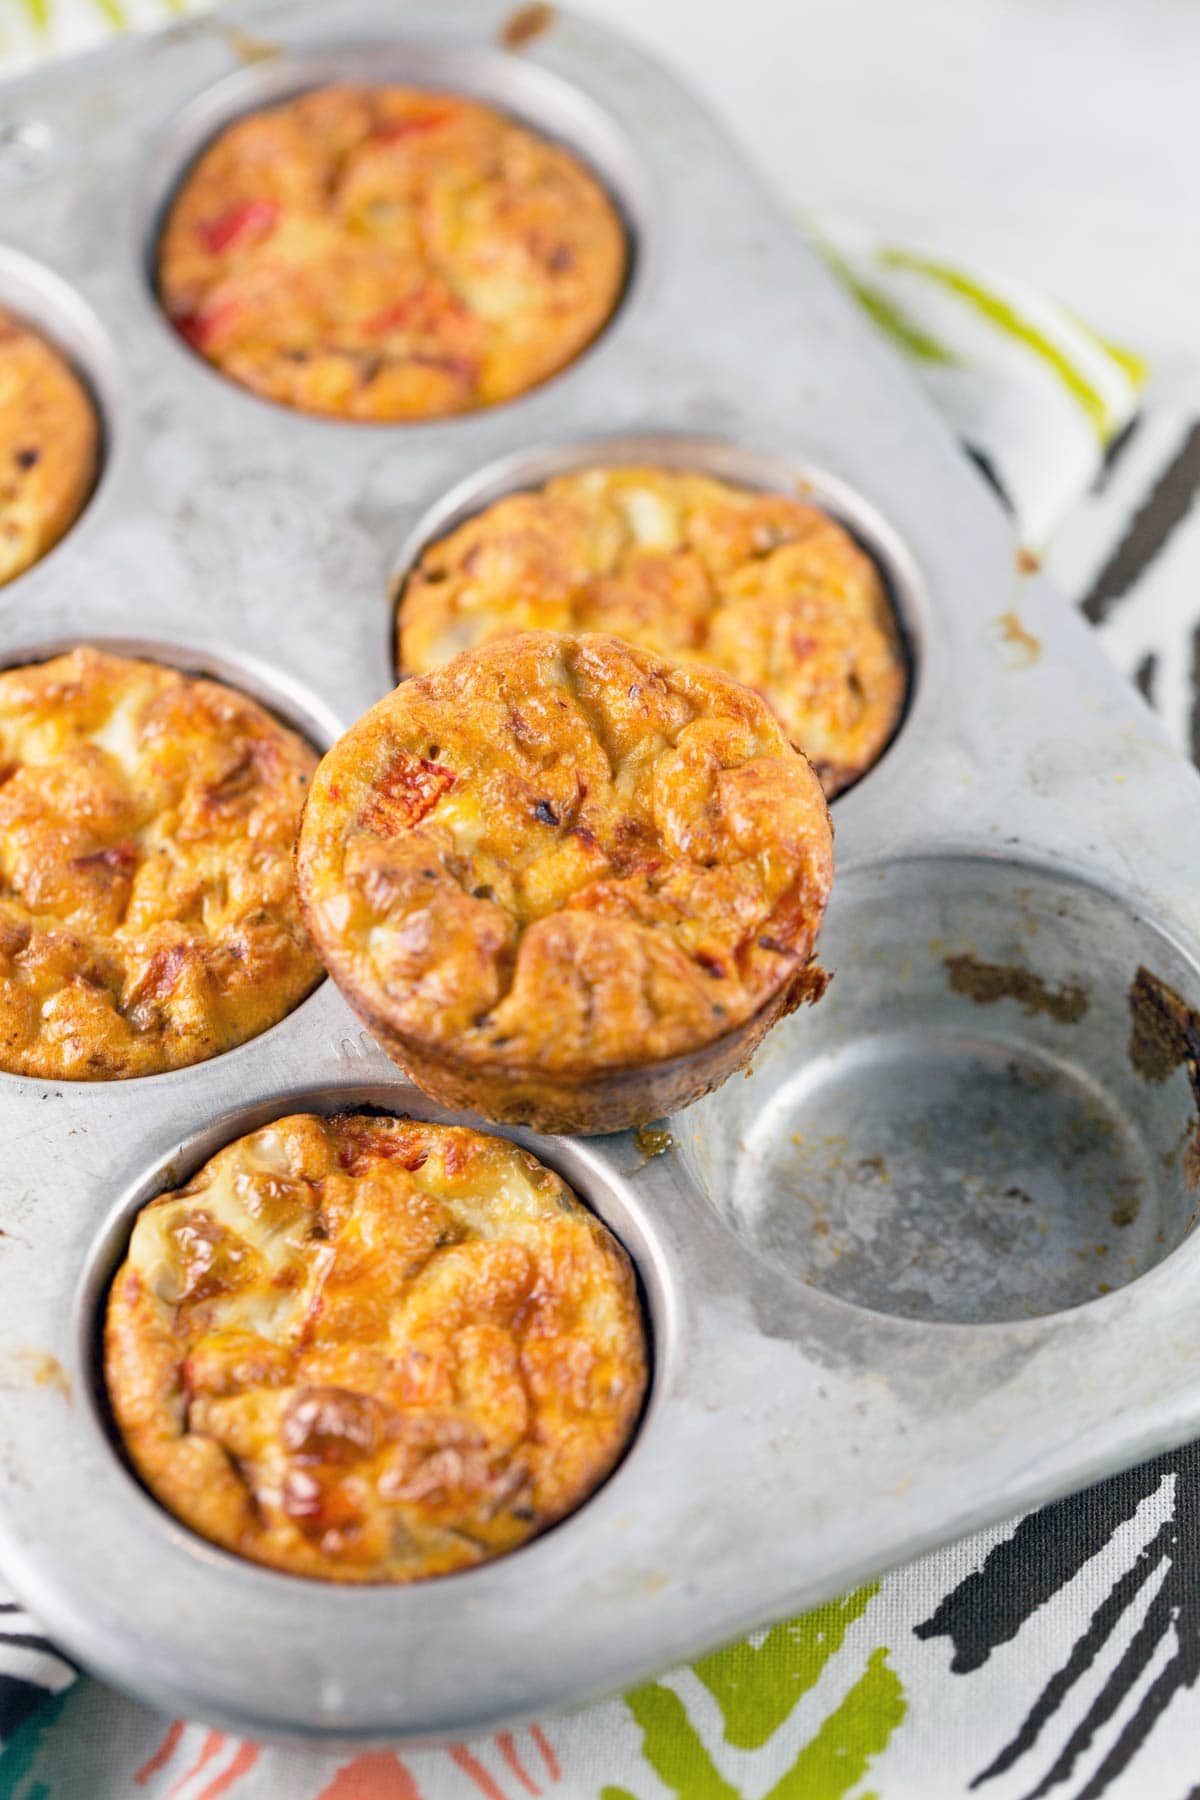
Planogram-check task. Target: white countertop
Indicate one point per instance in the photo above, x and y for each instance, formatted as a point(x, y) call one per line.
point(1056, 140)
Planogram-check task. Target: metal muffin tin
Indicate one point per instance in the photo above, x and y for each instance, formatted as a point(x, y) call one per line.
point(874, 1269)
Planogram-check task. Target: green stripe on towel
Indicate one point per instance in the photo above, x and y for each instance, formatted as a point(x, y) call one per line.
point(1002, 314)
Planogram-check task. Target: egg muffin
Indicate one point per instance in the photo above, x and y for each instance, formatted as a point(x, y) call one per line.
point(370, 1349)
point(389, 253)
point(148, 911)
point(49, 446)
point(566, 882)
point(762, 585)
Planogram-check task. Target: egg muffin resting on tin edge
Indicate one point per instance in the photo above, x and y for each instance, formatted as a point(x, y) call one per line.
point(760, 584)
point(370, 1349)
point(49, 446)
point(148, 912)
point(565, 881)
point(389, 253)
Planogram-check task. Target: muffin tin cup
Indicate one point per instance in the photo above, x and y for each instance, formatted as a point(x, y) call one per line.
point(861, 1348)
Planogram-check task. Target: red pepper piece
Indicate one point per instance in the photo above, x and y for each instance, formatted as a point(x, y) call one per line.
point(246, 223)
point(404, 792)
point(413, 123)
point(200, 328)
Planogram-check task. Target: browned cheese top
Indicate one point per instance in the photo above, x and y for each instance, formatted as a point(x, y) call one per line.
point(371, 1349)
point(565, 854)
point(148, 912)
point(389, 253)
point(49, 446)
point(762, 585)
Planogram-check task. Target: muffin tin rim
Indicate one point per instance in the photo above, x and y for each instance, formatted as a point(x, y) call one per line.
point(751, 1605)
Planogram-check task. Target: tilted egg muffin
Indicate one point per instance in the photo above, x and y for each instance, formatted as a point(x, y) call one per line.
point(388, 253)
point(565, 881)
point(370, 1349)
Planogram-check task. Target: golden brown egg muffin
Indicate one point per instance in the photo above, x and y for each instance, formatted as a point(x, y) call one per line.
point(371, 1349)
point(759, 584)
point(148, 912)
point(49, 446)
point(389, 253)
point(566, 882)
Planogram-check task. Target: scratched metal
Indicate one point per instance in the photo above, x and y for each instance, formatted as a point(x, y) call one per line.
point(930, 1262)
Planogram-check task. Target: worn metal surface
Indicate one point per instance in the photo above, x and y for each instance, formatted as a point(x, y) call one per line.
point(874, 1268)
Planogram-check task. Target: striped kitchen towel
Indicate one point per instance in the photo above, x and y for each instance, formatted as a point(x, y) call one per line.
point(30, 1668)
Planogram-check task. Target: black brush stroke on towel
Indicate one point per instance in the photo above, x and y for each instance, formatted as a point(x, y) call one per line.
point(1164, 508)
point(18, 1701)
point(987, 469)
point(1044, 1553)
point(1116, 449)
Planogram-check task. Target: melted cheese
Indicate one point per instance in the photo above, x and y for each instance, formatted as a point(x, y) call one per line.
point(372, 1349)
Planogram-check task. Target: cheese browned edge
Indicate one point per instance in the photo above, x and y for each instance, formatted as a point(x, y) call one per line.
point(372, 1349)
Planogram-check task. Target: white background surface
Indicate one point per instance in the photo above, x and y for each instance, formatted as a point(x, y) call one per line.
point(1054, 140)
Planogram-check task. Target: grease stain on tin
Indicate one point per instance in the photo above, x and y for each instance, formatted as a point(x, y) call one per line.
point(1028, 647)
point(985, 983)
point(244, 45)
point(652, 1141)
point(1165, 1033)
point(1165, 1036)
point(36, 1368)
point(527, 24)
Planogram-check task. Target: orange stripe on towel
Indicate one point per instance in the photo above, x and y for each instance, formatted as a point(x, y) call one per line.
point(471, 1766)
point(553, 1766)
point(508, 1750)
point(162, 1755)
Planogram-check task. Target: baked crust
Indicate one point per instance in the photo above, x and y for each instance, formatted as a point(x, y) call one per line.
point(49, 446)
point(148, 913)
point(567, 882)
point(762, 585)
point(371, 1349)
point(389, 253)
